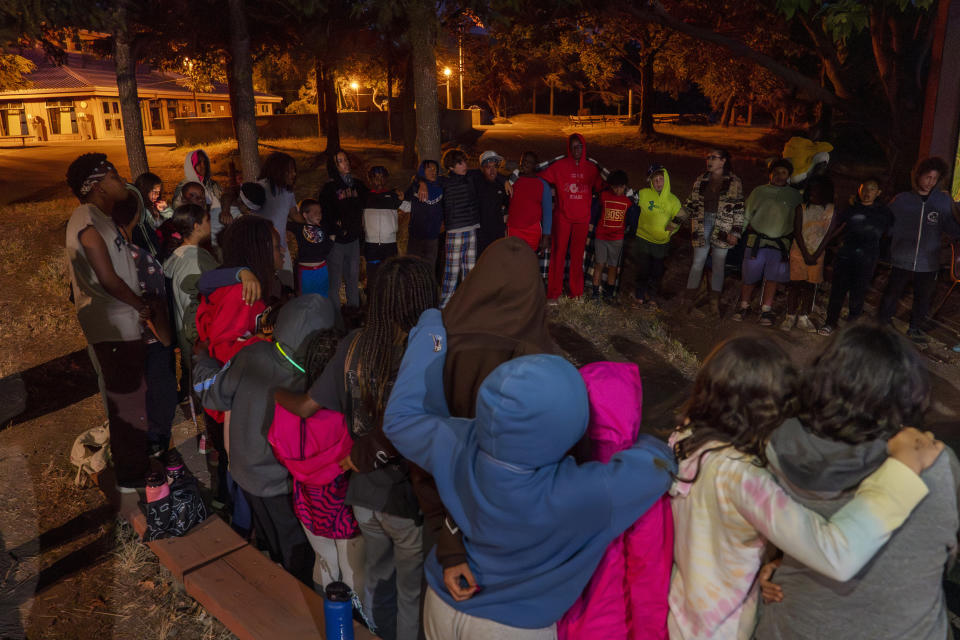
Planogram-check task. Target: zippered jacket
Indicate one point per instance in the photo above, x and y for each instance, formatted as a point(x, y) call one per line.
point(917, 226)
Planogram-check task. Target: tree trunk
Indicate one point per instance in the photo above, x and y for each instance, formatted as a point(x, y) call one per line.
point(408, 111)
point(750, 112)
point(727, 108)
point(241, 66)
point(534, 111)
point(129, 101)
point(423, 39)
point(886, 63)
point(551, 99)
point(389, 96)
point(646, 97)
point(581, 101)
point(318, 84)
point(330, 118)
point(232, 93)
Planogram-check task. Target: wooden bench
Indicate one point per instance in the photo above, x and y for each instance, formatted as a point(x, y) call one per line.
point(666, 118)
point(250, 594)
point(601, 120)
point(23, 139)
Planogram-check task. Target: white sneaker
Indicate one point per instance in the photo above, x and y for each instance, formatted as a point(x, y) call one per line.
point(805, 324)
point(788, 322)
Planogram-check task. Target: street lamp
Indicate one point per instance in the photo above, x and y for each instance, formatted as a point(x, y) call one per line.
point(446, 74)
point(356, 90)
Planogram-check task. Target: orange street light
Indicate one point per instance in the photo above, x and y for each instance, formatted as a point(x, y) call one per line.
point(356, 90)
point(446, 74)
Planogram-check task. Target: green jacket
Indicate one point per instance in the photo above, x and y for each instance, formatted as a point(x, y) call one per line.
point(656, 212)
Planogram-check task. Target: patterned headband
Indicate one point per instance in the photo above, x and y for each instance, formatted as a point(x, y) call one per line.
point(99, 173)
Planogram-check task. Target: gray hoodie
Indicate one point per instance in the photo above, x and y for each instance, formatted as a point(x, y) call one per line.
point(245, 387)
point(898, 595)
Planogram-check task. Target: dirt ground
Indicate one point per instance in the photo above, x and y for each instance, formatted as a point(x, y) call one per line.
point(68, 570)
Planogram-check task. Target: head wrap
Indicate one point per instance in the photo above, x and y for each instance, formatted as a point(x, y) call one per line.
point(97, 174)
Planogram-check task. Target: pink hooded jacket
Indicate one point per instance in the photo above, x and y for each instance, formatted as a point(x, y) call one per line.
point(627, 596)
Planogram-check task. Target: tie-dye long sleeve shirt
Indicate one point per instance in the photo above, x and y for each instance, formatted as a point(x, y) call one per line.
point(724, 520)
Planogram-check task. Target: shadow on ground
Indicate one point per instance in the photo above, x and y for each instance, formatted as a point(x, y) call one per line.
point(56, 384)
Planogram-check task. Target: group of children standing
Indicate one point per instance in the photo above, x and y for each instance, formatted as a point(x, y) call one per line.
point(424, 445)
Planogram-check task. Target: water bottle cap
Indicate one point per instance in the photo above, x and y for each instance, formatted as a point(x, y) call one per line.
point(338, 592)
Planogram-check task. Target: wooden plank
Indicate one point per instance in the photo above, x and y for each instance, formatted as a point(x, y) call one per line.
point(256, 599)
point(211, 539)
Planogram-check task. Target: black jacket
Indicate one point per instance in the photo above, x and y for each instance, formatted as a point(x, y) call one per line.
point(343, 209)
point(461, 204)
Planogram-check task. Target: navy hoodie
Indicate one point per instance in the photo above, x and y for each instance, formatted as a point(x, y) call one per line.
point(918, 223)
point(535, 523)
point(426, 218)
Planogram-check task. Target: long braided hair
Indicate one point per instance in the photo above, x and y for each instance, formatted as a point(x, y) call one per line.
point(404, 288)
point(248, 242)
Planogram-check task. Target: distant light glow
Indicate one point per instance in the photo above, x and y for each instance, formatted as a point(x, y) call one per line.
point(447, 71)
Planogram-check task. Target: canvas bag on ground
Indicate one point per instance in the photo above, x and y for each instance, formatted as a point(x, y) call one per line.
point(90, 453)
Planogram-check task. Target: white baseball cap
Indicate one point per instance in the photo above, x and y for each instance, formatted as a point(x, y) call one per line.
point(490, 155)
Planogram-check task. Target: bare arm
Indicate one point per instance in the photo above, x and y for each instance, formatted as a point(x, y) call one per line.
point(96, 251)
point(299, 404)
point(295, 216)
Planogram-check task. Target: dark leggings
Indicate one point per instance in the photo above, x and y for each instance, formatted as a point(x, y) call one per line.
point(924, 284)
point(853, 275)
point(122, 367)
point(650, 270)
point(800, 297)
point(161, 393)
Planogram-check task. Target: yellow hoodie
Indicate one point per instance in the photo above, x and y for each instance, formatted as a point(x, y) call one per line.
point(656, 211)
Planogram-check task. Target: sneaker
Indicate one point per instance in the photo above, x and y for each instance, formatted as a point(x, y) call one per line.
point(825, 330)
point(741, 314)
point(918, 336)
point(767, 318)
point(788, 322)
point(805, 324)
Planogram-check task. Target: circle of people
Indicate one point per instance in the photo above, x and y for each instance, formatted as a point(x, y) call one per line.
point(439, 458)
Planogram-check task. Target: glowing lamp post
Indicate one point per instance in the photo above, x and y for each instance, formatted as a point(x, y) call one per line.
point(356, 90)
point(446, 74)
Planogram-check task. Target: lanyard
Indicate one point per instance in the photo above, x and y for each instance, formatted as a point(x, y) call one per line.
point(289, 359)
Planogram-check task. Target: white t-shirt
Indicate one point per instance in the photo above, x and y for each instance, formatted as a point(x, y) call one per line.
point(276, 208)
point(102, 317)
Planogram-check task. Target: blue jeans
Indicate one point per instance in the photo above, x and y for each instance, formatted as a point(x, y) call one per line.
point(700, 259)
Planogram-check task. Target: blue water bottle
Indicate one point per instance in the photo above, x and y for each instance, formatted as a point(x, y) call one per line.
point(338, 612)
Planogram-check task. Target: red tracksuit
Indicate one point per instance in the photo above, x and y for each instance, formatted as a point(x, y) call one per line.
point(575, 181)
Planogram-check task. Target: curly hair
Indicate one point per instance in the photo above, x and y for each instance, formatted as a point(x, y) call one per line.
point(453, 157)
point(80, 168)
point(865, 385)
point(248, 242)
point(744, 390)
point(933, 163)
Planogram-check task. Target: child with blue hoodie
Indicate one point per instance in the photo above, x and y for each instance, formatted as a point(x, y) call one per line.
point(535, 523)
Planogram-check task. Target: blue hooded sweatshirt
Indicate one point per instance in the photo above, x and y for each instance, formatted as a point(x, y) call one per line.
point(535, 523)
point(425, 217)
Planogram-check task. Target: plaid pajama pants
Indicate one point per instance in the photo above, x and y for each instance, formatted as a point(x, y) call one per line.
point(460, 254)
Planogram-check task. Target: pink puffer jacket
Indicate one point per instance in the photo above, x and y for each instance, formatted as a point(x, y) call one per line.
point(627, 596)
